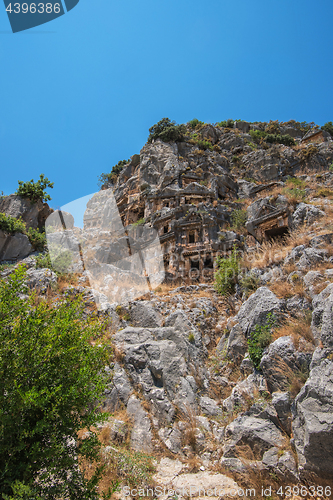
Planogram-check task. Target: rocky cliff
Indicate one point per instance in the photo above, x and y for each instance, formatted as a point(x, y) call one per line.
point(240, 384)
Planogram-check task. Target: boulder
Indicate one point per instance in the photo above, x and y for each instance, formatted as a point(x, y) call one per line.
point(242, 126)
point(144, 315)
point(280, 462)
point(14, 246)
point(280, 361)
point(256, 309)
point(313, 420)
point(257, 433)
point(306, 214)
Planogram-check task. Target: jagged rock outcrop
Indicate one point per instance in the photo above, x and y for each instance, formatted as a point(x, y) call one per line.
point(313, 420)
point(33, 213)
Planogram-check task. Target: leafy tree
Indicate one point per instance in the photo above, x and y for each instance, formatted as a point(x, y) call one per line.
point(328, 127)
point(35, 190)
point(111, 178)
point(50, 379)
point(167, 131)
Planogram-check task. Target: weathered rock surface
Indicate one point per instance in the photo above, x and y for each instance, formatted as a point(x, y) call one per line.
point(14, 246)
point(313, 420)
point(33, 214)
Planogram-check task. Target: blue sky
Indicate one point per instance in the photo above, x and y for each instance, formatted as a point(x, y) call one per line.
point(80, 93)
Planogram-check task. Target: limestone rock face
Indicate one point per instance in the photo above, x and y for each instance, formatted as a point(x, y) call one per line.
point(313, 420)
point(161, 361)
point(305, 214)
point(33, 214)
point(322, 316)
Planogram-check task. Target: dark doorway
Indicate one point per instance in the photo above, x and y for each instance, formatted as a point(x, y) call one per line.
point(195, 264)
point(276, 232)
point(191, 238)
point(166, 229)
point(208, 263)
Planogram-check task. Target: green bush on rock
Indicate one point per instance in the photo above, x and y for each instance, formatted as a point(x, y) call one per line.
point(35, 190)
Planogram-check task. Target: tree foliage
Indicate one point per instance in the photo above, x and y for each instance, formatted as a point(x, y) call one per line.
point(328, 127)
point(11, 225)
point(111, 177)
point(35, 190)
point(167, 131)
point(50, 380)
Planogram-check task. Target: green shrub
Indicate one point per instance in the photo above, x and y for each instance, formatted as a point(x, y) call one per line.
point(272, 127)
point(11, 225)
point(238, 219)
point(328, 127)
point(294, 194)
point(191, 338)
point(111, 178)
point(259, 339)
point(167, 131)
point(35, 190)
point(286, 139)
point(204, 145)
point(226, 275)
point(330, 168)
point(195, 122)
point(37, 239)
point(226, 123)
point(249, 283)
point(51, 380)
point(295, 181)
point(43, 261)
point(138, 222)
point(258, 135)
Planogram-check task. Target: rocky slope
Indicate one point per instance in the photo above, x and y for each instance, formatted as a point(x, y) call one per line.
point(185, 384)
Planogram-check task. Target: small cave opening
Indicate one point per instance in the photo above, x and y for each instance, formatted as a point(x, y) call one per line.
point(165, 229)
point(276, 232)
point(195, 264)
point(157, 379)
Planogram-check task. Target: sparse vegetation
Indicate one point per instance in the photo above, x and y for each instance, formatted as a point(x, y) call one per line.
point(238, 219)
point(35, 191)
point(111, 178)
point(227, 272)
point(259, 339)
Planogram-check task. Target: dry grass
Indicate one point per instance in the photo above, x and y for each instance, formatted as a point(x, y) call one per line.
point(274, 252)
point(296, 328)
